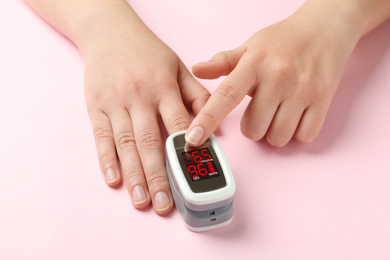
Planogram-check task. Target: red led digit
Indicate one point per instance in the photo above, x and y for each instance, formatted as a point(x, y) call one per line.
point(202, 170)
point(200, 164)
point(197, 157)
point(211, 167)
point(192, 170)
point(205, 154)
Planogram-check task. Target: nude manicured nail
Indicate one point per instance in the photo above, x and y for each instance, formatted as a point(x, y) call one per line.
point(139, 195)
point(111, 175)
point(194, 136)
point(161, 201)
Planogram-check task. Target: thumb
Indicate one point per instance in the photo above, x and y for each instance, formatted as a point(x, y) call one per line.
point(220, 65)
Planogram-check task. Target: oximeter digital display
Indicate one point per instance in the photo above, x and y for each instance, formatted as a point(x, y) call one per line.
point(200, 164)
point(201, 181)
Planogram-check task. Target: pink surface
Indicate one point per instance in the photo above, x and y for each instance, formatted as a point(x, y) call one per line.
point(326, 200)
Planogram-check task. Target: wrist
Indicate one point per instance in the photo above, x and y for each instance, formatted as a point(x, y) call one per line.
point(108, 27)
point(334, 22)
point(355, 18)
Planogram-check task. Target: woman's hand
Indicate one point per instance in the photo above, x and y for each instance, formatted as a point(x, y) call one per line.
point(290, 69)
point(132, 80)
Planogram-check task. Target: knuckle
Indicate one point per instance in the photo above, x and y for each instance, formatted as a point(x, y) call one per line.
point(282, 73)
point(125, 81)
point(105, 158)
point(125, 140)
point(208, 117)
point(223, 55)
point(94, 92)
point(254, 58)
point(102, 134)
point(227, 92)
point(155, 179)
point(204, 94)
point(125, 77)
point(128, 84)
point(104, 97)
point(282, 69)
point(226, 58)
point(163, 83)
point(321, 93)
point(312, 91)
point(179, 122)
point(306, 79)
point(131, 173)
point(202, 97)
point(93, 97)
point(149, 140)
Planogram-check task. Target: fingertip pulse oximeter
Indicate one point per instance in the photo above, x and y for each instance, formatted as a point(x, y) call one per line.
point(201, 181)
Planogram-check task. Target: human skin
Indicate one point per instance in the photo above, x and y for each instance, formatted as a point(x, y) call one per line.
point(132, 81)
point(290, 69)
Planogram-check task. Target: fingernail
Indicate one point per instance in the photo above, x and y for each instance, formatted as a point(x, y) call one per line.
point(194, 136)
point(139, 195)
point(161, 201)
point(111, 175)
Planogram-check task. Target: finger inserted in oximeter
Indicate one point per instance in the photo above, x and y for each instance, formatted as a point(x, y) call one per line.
point(202, 183)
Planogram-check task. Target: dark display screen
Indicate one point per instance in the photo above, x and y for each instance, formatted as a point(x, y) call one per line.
point(200, 164)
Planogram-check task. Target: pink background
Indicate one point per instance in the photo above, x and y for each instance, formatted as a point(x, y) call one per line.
point(326, 200)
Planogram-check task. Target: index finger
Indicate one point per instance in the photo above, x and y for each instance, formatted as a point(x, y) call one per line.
point(224, 99)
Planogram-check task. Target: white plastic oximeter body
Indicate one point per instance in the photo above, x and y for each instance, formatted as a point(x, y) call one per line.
point(201, 181)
